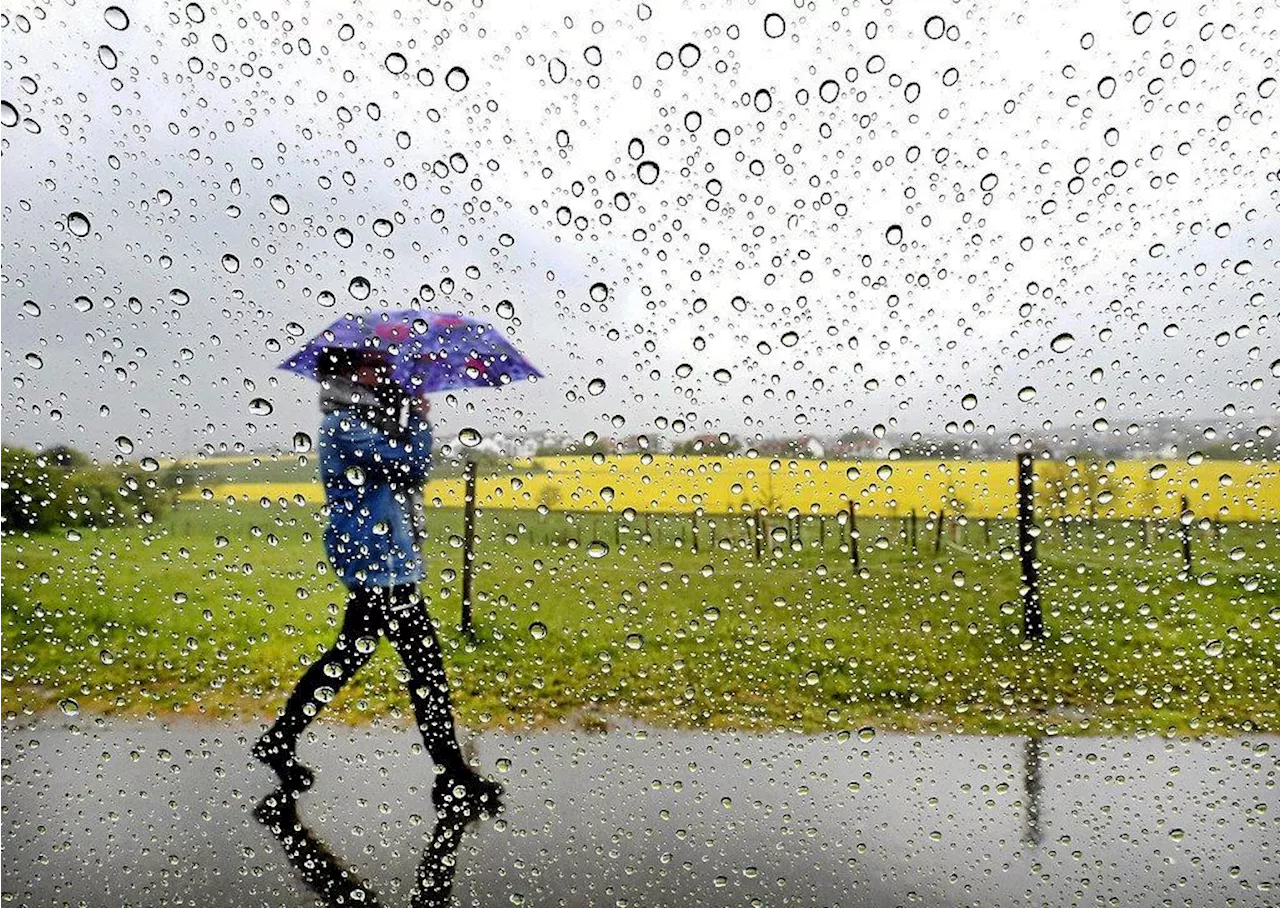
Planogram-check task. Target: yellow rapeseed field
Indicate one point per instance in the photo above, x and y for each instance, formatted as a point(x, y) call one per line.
point(1224, 490)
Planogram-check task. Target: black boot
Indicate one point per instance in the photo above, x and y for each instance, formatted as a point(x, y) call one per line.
point(272, 750)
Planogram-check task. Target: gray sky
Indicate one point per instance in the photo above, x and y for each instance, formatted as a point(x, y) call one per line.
point(1033, 198)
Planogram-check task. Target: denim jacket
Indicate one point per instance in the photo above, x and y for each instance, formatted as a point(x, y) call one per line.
point(371, 482)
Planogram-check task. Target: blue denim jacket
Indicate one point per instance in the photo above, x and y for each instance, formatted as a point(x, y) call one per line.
point(370, 483)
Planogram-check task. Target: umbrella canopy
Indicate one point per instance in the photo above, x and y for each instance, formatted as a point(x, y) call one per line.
point(428, 351)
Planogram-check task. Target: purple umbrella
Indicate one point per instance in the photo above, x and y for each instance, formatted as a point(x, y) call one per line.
point(428, 351)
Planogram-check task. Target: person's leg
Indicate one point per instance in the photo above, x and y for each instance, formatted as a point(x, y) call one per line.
point(410, 630)
point(458, 791)
point(320, 683)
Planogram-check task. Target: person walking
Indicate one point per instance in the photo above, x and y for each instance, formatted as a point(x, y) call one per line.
point(375, 452)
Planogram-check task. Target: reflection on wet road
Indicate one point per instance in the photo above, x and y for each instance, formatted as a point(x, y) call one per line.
point(112, 812)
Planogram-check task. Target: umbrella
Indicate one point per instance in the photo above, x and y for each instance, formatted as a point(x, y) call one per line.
point(428, 351)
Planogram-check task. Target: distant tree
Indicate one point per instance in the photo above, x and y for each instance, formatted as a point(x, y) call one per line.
point(714, 445)
point(66, 457)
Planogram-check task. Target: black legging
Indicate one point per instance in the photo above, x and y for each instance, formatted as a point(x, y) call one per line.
point(400, 613)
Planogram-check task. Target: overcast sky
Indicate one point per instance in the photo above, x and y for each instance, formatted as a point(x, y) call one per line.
point(806, 221)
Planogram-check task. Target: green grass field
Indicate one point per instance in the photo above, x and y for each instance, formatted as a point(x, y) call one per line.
point(216, 609)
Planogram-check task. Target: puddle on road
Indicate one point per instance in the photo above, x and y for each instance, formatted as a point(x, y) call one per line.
point(111, 811)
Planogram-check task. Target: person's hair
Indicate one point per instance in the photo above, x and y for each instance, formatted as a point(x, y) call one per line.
point(343, 361)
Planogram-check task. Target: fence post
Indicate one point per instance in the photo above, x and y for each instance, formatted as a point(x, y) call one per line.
point(1186, 518)
point(757, 536)
point(694, 542)
point(822, 531)
point(915, 532)
point(468, 546)
point(937, 534)
point(853, 538)
point(1032, 618)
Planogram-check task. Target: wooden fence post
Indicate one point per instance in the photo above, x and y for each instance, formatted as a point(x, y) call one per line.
point(937, 534)
point(468, 546)
point(694, 542)
point(1032, 618)
point(757, 536)
point(1185, 520)
point(822, 531)
point(915, 532)
point(853, 538)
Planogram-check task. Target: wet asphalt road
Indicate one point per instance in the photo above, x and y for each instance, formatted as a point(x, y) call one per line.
point(104, 811)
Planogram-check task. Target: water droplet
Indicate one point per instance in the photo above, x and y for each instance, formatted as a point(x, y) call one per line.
point(634, 641)
point(69, 707)
point(537, 630)
point(116, 18)
point(893, 236)
point(457, 78)
point(598, 549)
point(1106, 87)
point(774, 25)
point(1062, 343)
point(595, 387)
point(195, 13)
point(8, 114)
point(647, 172)
point(469, 437)
point(505, 309)
point(107, 57)
point(599, 292)
point(762, 100)
point(301, 442)
point(230, 263)
point(343, 237)
point(260, 406)
point(1026, 393)
point(557, 70)
point(689, 55)
point(935, 27)
point(359, 288)
point(829, 91)
point(279, 204)
point(722, 375)
point(866, 734)
point(969, 401)
point(884, 471)
point(34, 360)
point(1213, 648)
point(1267, 87)
point(78, 224)
point(1141, 23)
point(396, 63)
point(693, 121)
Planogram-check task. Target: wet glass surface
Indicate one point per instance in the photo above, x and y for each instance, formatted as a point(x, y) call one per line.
point(139, 812)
